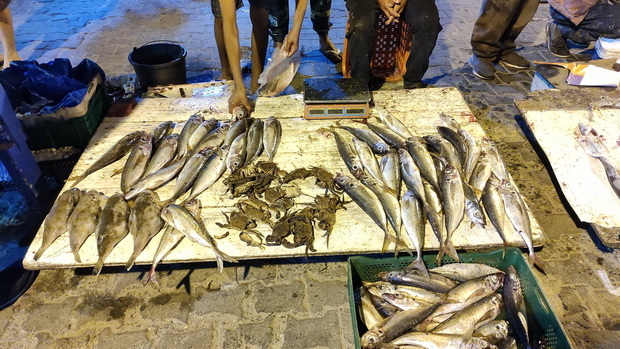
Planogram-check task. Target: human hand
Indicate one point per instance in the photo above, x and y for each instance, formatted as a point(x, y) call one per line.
point(237, 98)
point(291, 44)
point(387, 6)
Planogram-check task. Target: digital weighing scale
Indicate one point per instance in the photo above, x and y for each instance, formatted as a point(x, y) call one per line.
point(326, 98)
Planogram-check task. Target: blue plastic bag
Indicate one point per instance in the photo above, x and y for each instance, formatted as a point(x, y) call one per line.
point(34, 87)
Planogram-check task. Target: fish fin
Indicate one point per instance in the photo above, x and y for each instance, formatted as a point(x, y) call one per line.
point(150, 277)
point(116, 172)
point(76, 255)
point(387, 240)
point(131, 260)
point(77, 180)
point(98, 266)
point(534, 260)
point(39, 253)
point(418, 264)
point(504, 250)
point(440, 254)
point(450, 250)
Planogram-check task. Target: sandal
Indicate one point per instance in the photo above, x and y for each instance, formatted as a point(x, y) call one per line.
point(333, 55)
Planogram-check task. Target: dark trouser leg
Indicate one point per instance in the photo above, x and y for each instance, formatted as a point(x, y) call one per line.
point(320, 11)
point(361, 33)
point(278, 20)
point(424, 19)
point(491, 26)
point(602, 20)
point(524, 15)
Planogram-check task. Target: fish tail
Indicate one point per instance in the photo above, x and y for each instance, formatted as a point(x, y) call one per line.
point(418, 263)
point(40, 252)
point(450, 250)
point(98, 266)
point(76, 255)
point(226, 257)
point(534, 260)
point(387, 240)
point(150, 277)
point(504, 249)
point(77, 180)
point(131, 260)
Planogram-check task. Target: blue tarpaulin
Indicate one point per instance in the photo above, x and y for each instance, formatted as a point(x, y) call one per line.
point(34, 87)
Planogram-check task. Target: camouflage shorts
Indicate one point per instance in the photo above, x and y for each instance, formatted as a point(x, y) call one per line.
point(215, 7)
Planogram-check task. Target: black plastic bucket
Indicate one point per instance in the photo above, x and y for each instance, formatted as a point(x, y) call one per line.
point(159, 63)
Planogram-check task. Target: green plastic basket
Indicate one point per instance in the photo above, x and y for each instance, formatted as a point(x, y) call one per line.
point(73, 132)
point(549, 332)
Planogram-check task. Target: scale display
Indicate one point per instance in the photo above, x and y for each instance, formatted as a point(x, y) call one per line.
point(326, 98)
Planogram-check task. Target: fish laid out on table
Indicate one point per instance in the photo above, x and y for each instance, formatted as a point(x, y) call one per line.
point(455, 306)
point(448, 176)
point(196, 158)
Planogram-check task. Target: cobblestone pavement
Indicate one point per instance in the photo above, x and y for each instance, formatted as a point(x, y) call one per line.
point(284, 303)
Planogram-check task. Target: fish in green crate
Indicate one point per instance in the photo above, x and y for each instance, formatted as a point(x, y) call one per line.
point(515, 307)
point(493, 332)
point(462, 272)
point(56, 221)
point(436, 282)
point(473, 316)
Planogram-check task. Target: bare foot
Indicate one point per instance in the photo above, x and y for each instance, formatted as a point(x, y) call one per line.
point(10, 58)
point(330, 51)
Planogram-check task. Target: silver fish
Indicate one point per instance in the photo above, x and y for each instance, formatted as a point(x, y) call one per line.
point(515, 209)
point(395, 326)
point(346, 149)
point(481, 174)
point(189, 172)
point(494, 206)
point(462, 272)
point(368, 202)
point(473, 153)
point(202, 130)
point(515, 306)
point(115, 153)
point(414, 277)
point(453, 208)
point(498, 166)
point(213, 139)
point(474, 315)
point(163, 155)
point(367, 312)
point(239, 127)
point(170, 239)
point(186, 133)
point(181, 219)
point(430, 340)
point(446, 150)
point(83, 220)
point(494, 332)
point(156, 180)
point(387, 134)
point(413, 221)
point(111, 229)
point(393, 122)
point(136, 163)
point(390, 203)
point(376, 143)
point(254, 144)
point(56, 221)
point(368, 160)
point(457, 142)
point(162, 131)
point(210, 173)
point(144, 223)
point(417, 293)
point(473, 208)
point(434, 214)
point(237, 153)
point(390, 170)
point(272, 134)
point(448, 121)
point(411, 174)
point(279, 73)
point(424, 161)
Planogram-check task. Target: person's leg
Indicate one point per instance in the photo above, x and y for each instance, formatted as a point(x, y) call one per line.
point(525, 13)
point(278, 21)
point(260, 38)
point(491, 26)
point(423, 17)
point(218, 25)
point(320, 11)
point(360, 35)
point(7, 38)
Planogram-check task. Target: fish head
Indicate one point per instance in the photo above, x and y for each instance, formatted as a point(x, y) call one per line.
point(372, 339)
point(74, 195)
point(381, 148)
point(234, 163)
point(342, 180)
point(494, 281)
point(357, 169)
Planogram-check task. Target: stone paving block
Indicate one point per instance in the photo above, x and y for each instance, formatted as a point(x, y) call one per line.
point(270, 298)
point(53, 317)
point(196, 339)
point(312, 333)
point(327, 294)
point(5, 318)
point(169, 305)
point(85, 340)
point(333, 267)
point(256, 335)
point(224, 300)
point(346, 326)
point(104, 308)
point(136, 340)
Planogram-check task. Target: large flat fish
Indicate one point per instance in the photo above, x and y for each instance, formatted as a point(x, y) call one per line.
point(83, 220)
point(111, 229)
point(144, 223)
point(55, 223)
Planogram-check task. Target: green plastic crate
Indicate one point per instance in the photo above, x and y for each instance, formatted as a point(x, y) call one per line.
point(551, 332)
point(74, 131)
